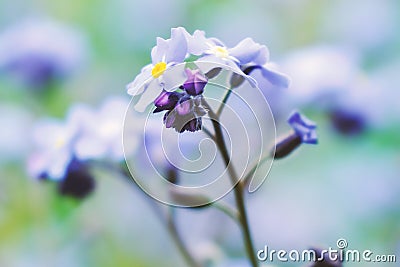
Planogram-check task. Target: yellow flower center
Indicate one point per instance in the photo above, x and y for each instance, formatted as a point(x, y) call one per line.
point(220, 51)
point(60, 142)
point(158, 69)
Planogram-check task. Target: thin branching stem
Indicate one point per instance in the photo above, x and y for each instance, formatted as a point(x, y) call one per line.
point(238, 187)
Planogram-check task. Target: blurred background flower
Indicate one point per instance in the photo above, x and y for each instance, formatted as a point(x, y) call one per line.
point(343, 59)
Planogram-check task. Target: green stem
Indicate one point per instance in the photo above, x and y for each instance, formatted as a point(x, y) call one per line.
point(238, 187)
point(173, 230)
point(224, 100)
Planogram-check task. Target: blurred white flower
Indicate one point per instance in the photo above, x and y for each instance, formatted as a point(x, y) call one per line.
point(53, 141)
point(37, 50)
point(86, 134)
point(102, 132)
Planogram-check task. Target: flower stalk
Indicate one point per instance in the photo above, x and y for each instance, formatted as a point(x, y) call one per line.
point(238, 186)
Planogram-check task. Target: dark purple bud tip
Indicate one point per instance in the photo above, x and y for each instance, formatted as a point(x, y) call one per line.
point(77, 183)
point(166, 101)
point(195, 83)
point(304, 128)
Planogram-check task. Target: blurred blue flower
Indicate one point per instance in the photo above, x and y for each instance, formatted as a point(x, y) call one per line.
point(329, 79)
point(154, 77)
point(39, 51)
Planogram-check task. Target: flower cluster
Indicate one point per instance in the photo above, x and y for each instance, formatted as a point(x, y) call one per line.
point(169, 72)
point(63, 147)
point(184, 109)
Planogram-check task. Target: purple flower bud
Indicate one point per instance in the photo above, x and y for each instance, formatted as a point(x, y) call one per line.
point(166, 101)
point(304, 128)
point(195, 83)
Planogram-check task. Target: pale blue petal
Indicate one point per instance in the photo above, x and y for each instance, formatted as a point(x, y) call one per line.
point(58, 164)
point(262, 57)
point(88, 147)
point(158, 52)
point(141, 81)
point(275, 78)
point(246, 51)
point(152, 91)
point(197, 44)
point(177, 46)
point(173, 77)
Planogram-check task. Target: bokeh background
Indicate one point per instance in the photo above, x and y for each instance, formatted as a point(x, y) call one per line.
point(344, 59)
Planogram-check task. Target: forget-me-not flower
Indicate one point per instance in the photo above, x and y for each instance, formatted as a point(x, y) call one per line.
point(54, 145)
point(164, 73)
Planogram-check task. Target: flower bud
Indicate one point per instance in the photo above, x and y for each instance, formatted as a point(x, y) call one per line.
point(304, 131)
point(195, 83)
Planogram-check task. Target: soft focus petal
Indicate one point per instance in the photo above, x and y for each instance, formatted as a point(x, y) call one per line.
point(158, 52)
point(177, 46)
point(197, 43)
point(140, 82)
point(88, 147)
point(274, 77)
point(173, 77)
point(246, 51)
point(152, 91)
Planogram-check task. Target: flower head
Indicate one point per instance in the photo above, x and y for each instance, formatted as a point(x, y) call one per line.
point(164, 73)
